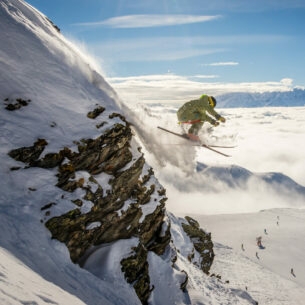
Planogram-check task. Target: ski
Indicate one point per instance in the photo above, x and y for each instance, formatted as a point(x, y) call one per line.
point(212, 149)
point(184, 136)
point(220, 146)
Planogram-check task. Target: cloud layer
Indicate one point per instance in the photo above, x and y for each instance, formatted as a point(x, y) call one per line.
point(171, 88)
point(250, 180)
point(145, 21)
point(227, 63)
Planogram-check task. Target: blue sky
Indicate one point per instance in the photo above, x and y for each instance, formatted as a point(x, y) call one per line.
point(220, 41)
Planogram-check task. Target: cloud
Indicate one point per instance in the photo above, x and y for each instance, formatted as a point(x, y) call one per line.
point(171, 88)
point(206, 76)
point(228, 63)
point(145, 21)
point(287, 81)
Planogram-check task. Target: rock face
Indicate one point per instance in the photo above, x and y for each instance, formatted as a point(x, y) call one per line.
point(130, 205)
point(202, 243)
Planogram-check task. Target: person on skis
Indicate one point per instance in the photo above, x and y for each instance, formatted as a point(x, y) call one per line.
point(196, 112)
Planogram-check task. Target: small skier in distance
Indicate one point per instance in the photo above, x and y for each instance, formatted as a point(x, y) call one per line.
point(242, 247)
point(196, 112)
point(259, 241)
point(292, 272)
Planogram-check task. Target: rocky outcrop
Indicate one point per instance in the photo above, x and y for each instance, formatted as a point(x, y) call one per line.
point(29, 154)
point(110, 154)
point(17, 104)
point(117, 207)
point(135, 268)
point(202, 243)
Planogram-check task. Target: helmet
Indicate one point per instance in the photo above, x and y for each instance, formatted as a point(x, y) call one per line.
point(212, 101)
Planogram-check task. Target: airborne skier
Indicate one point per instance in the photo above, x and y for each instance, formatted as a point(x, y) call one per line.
point(196, 112)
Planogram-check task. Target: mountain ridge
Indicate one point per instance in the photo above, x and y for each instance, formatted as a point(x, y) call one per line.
point(293, 98)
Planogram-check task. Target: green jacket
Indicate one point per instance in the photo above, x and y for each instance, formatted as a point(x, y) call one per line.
point(197, 110)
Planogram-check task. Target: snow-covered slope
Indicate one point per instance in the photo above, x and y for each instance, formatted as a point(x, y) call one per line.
point(39, 65)
point(53, 86)
point(273, 273)
point(47, 91)
point(21, 285)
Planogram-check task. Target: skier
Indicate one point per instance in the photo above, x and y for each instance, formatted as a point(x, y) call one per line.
point(196, 112)
point(259, 241)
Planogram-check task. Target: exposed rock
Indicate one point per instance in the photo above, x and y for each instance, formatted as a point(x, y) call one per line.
point(49, 160)
point(110, 154)
point(54, 25)
point(96, 112)
point(78, 202)
point(15, 168)
point(48, 206)
point(100, 124)
point(135, 268)
point(17, 105)
point(66, 173)
point(29, 154)
point(185, 282)
point(202, 243)
point(151, 228)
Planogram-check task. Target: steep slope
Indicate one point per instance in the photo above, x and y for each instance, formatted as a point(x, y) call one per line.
point(72, 171)
point(13, 271)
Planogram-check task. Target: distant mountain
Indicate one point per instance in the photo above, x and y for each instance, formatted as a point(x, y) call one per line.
point(295, 98)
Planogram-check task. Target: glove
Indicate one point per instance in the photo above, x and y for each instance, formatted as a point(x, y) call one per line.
point(216, 123)
point(222, 120)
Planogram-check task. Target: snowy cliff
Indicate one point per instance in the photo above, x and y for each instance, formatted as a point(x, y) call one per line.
point(76, 190)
